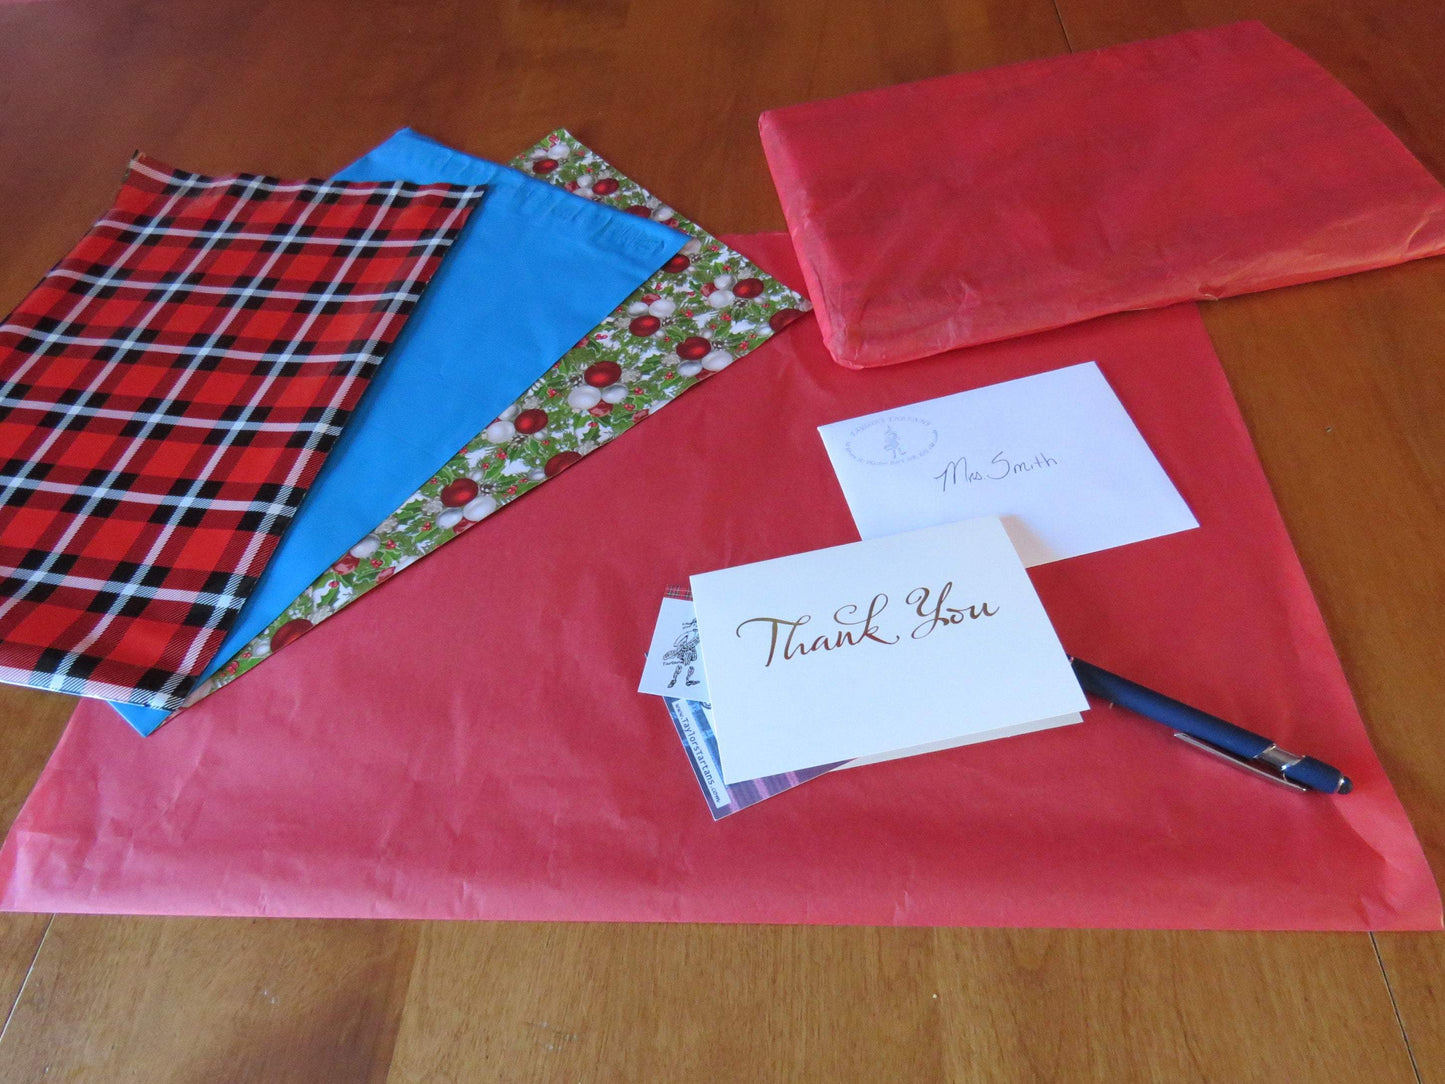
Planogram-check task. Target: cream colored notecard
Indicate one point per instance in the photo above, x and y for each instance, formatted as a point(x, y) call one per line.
point(918, 639)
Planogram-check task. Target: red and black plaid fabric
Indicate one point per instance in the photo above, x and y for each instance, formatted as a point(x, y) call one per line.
point(167, 394)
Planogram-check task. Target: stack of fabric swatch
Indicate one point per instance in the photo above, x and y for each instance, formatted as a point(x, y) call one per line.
point(241, 403)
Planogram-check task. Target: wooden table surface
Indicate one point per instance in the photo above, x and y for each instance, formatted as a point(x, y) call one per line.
point(1342, 385)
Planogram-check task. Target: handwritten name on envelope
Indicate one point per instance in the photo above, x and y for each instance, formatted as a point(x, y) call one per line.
point(918, 639)
point(1055, 455)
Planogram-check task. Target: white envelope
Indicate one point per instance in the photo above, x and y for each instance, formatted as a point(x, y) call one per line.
point(928, 638)
point(1055, 455)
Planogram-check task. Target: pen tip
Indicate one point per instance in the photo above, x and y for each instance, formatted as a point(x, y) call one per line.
point(1345, 786)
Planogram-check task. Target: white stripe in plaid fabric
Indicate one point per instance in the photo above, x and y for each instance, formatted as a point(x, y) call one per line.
point(240, 235)
point(140, 590)
point(44, 407)
point(176, 349)
point(210, 336)
point(231, 292)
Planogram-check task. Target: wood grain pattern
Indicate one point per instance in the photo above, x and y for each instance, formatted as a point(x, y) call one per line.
point(644, 1003)
point(1415, 964)
point(829, 1004)
point(1340, 383)
point(20, 939)
point(144, 1000)
point(1058, 1006)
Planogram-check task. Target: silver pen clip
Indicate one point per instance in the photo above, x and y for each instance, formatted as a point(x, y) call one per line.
point(1240, 762)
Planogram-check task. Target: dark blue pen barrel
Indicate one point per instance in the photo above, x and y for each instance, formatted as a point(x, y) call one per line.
point(1317, 775)
point(1170, 712)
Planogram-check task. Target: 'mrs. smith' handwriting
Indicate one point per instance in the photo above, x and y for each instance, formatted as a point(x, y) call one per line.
point(997, 469)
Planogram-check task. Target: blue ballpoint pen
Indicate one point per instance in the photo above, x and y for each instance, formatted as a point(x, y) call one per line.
point(1202, 730)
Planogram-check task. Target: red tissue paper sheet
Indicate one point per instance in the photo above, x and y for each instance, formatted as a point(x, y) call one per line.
point(469, 741)
point(982, 206)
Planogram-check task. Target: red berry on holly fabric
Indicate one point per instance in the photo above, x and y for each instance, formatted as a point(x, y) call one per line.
point(748, 288)
point(601, 410)
point(560, 462)
point(455, 494)
point(529, 421)
point(640, 210)
point(544, 165)
point(605, 187)
point(602, 373)
point(288, 632)
point(346, 564)
point(644, 325)
point(677, 263)
point(782, 318)
point(690, 349)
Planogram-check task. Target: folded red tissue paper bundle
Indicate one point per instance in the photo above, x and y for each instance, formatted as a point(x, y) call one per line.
point(987, 205)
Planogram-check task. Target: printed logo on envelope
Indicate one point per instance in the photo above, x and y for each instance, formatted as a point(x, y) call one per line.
point(888, 441)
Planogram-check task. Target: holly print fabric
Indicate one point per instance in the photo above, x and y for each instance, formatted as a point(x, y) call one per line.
point(704, 309)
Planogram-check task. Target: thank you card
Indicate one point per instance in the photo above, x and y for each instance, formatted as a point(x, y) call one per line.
point(926, 638)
